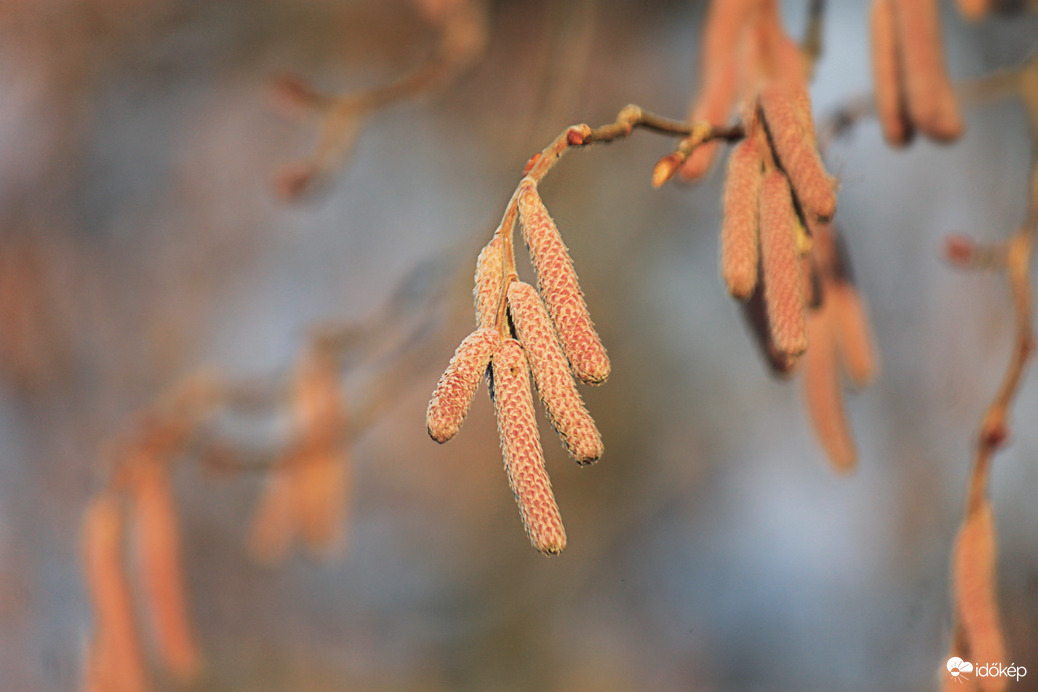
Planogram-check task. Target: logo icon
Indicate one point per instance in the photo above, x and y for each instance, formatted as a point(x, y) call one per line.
point(957, 667)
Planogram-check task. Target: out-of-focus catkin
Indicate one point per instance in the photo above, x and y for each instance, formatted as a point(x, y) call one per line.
point(557, 282)
point(780, 261)
point(814, 188)
point(273, 525)
point(928, 93)
point(739, 230)
point(887, 75)
point(521, 447)
point(555, 385)
point(974, 9)
point(489, 283)
point(158, 552)
point(975, 588)
point(453, 394)
point(116, 661)
point(822, 390)
point(853, 336)
point(322, 496)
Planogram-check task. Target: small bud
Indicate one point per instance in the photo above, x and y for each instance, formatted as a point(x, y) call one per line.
point(960, 250)
point(665, 169)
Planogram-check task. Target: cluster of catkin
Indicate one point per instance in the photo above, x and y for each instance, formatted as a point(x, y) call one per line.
point(522, 330)
point(307, 493)
point(911, 85)
point(776, 184)
point(140, 514)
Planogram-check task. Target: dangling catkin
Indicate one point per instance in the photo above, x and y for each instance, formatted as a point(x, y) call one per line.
point(853, 337)
point(557, 282)
point(453, 395)
point(756, 313)
point(321, 494)
point(555, 384)
point(158, 551)
point(928, 93)
point(822, 390)
point(273, 524)
point(719, 81)
point(117, 663)
point(974, 9)
point(489, 280)
point(887, 75)
point(780, 260)
point(814, 188)
point(739, 229)
point(521, 447)
point(975, 589)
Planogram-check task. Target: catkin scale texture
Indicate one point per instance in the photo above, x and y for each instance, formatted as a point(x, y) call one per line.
point(975, 588)
point(521, 447)
point(814, 188)
point(739, 229)
point(453, 394)
point(551, 374)
point(780, 261)
point(489, 281)
point(557, 282)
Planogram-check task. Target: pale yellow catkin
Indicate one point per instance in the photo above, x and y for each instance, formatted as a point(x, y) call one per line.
point(558, 392)
point(928, 92)
point(158, 552)
point(887, 75)
point(822, 390)
point(117, 662)
point(521, 447)
point(557, 282)
point(739, 229)
point(814, 188)
point(453, 395)
point(780, 262)
point(489, 283)
point(975, 588)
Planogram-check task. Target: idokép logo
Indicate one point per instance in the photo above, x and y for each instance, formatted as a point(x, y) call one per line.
point(958, 669)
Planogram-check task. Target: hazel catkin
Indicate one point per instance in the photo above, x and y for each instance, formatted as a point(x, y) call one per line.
point(739, 229)
point(453, 394)
point(521, 447)
point(887, 75)
point(158, 550)
point(558, 286)
point(489, 282)
point(975, 589)
point(814, 188)
point(555, 385)
point(780, 262)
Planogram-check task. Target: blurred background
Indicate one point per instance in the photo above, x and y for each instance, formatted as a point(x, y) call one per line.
point(710, 549)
